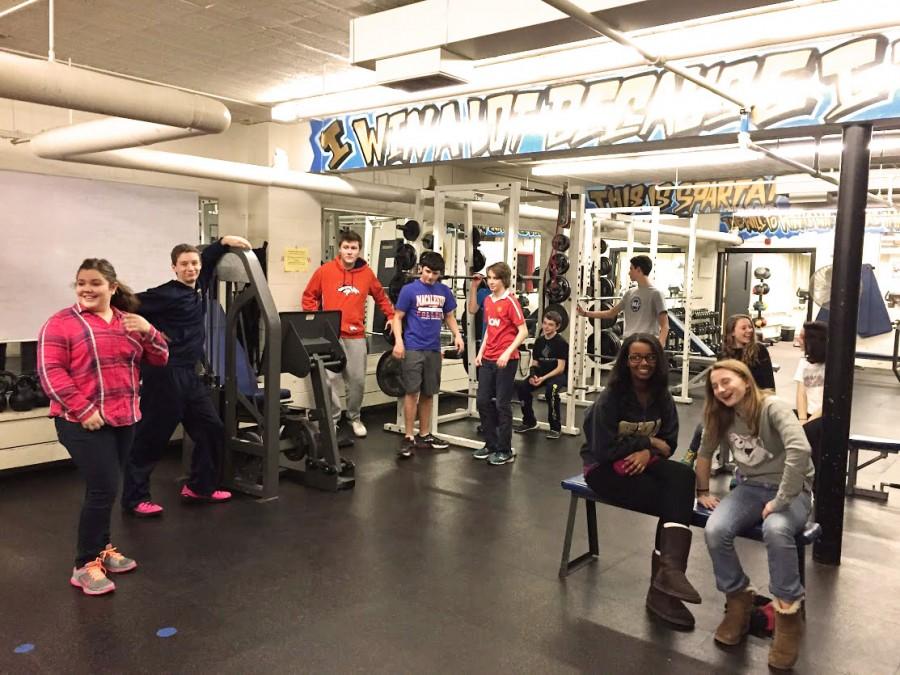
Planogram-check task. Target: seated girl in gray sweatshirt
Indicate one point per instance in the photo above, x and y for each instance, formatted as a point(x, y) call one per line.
point(775, 478)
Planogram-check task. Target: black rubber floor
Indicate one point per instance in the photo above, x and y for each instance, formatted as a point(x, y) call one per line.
point(438, 564)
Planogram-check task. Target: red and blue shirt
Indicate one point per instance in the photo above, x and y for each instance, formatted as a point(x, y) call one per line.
point(87, 365)
point(502, 316)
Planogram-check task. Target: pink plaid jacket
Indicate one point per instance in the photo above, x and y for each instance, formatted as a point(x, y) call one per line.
point(86, 365)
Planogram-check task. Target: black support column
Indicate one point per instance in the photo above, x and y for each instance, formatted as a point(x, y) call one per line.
point(843, 312)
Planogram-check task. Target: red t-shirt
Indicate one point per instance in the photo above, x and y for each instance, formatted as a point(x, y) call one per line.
point(503, 318)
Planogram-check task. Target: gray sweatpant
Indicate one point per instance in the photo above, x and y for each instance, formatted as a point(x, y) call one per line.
point(354, 376)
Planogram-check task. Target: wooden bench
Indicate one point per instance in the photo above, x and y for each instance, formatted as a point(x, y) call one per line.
point(884, 447)
point(579, 489)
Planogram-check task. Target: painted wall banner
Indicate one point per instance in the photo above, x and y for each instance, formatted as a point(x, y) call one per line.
point(833, 82)
point(709, 197)
point(793, 223)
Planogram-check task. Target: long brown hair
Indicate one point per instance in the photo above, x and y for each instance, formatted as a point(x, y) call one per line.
point(124, 298)
point(749, 354)
point(717, 417)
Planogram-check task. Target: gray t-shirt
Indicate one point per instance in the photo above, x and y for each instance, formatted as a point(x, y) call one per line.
point(642, 306)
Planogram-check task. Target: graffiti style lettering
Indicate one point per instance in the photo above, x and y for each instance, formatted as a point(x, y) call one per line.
point(563, 106)
point(785, 92)
point(450, 146)
point(856, 79)
point(371, 141)
point(499, 111)
point(709, 198)
point(332, 141)
point(738, 77)
point(526, 106)
point(852, 69)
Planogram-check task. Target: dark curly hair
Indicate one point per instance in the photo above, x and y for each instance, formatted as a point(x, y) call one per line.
point(620, 379)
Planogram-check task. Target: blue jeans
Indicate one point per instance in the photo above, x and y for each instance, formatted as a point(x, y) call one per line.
point(738, 512)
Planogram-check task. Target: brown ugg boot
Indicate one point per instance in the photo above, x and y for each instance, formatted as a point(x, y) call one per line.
point(667, 608)
point(788, 631)
point(674, 547)
point(736, 624)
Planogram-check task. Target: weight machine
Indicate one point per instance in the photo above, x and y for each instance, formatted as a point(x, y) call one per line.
point(264, 436)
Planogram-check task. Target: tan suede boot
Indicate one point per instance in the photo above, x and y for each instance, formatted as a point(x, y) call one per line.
point(674, 547)
point(667, 608)
point(736, 624)
point(788, 632)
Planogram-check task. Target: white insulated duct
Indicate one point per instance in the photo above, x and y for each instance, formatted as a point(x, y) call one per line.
point(111, 133)
point(52, 83)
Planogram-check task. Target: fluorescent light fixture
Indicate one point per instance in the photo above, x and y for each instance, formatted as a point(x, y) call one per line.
point(650, 161)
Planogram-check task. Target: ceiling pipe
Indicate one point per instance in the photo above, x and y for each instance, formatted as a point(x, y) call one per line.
point(55, 84)
point(746, 142)
point(111, 133)
point(253, 174)
point(678, 231)
point(603, 28)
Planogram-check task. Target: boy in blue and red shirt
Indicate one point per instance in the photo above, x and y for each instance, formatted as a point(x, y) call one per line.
point(421, 310)
point(497, 359)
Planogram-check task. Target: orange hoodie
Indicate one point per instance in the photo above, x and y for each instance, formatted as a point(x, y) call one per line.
point(332, 287)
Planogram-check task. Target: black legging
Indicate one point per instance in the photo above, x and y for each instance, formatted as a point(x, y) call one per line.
point(100, 457)
point(813, 429)
point(665, 489)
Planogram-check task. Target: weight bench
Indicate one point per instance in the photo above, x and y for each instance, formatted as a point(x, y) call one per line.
point(883, 446)
point(579, 489)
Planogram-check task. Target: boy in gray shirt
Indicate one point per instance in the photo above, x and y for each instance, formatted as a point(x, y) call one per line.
point(643, 305)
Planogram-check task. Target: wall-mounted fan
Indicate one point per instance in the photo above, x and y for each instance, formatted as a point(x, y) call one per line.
point(820, 286)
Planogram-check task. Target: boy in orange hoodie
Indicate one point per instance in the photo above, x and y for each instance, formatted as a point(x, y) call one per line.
point(344, 284)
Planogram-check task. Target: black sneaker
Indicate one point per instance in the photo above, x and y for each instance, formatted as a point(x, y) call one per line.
point(525, 426)
point(407, 448)
point(430, 442)
point(553, 434)
point(482, 453)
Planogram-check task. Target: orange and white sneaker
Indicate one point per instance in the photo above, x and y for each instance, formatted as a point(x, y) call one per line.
point(114, 562)
point(92, 579)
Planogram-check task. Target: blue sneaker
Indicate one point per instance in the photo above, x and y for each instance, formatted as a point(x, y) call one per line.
point(481, 453)
point(502, 457)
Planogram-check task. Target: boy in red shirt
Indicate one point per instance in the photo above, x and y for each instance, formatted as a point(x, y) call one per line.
point(497, 359)
point(344, 284)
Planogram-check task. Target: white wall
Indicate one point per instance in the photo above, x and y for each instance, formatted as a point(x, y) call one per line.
point(286, 218)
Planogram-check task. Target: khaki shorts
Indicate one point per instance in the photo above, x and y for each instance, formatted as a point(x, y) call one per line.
point(421, 372)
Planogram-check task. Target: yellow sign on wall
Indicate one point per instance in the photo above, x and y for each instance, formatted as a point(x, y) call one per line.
point(296, 260)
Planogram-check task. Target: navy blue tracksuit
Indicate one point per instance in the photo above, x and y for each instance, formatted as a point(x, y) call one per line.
point(175, 393)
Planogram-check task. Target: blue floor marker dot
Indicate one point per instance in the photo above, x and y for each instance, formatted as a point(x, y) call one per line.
point(168, 631)
point(24, 648)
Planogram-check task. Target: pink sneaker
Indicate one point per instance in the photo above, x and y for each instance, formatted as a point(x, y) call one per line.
point(217, 496)
point(147, 510)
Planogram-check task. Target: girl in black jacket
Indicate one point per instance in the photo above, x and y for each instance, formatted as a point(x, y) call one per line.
point(632, 430)
point(740, 344)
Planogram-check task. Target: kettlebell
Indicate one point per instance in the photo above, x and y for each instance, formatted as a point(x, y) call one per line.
point(22, 398)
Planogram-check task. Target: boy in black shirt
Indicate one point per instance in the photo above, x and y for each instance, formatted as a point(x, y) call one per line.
point(549, 356)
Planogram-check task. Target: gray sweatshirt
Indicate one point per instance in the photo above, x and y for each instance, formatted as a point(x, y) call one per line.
point(778, 456)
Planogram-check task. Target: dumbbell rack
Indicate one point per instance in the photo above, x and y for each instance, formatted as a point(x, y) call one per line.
point(705, 325)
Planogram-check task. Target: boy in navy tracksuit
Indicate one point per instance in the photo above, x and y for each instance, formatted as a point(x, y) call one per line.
point(176, 393)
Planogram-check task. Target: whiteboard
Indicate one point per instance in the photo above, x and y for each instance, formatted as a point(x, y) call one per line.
point(49, 224)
